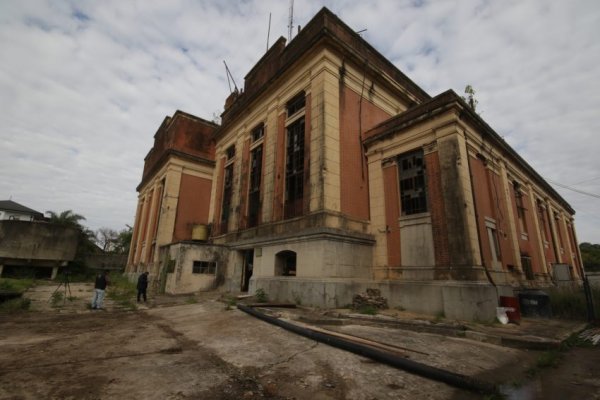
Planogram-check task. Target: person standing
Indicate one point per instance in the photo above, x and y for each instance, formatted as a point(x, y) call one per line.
point(100, 285)
point(142, 285)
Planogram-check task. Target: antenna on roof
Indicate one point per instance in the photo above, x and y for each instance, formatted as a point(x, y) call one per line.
point(269, 32)
point(229, 76)
point(291, 21)
point(361, 31)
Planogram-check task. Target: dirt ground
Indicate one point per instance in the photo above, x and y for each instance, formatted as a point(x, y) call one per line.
point(195, 347)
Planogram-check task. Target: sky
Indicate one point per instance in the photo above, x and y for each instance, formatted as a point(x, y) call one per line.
point(84, 85)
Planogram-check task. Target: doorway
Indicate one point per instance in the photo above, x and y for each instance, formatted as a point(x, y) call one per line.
point(248, 267)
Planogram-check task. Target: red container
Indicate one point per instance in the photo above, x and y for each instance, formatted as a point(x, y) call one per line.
point(511, 302)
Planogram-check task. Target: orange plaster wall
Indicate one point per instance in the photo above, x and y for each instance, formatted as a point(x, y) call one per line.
point(392, 214)
point(437, 208)
point(354, 177)
point(219, 196)
point(192, 206)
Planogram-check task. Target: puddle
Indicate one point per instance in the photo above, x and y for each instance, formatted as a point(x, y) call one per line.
point(528, 391)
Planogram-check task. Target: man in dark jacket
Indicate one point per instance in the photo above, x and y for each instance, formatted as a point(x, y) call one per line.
point(142, 285)
point(100, 285)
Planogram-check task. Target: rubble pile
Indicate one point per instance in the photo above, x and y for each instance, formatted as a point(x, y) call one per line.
point(370, 299)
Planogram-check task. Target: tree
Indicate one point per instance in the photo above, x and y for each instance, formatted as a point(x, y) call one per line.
point(590, 256)
point(66, 218)
point(123, 241)
point(106, 238)
point(470, 97)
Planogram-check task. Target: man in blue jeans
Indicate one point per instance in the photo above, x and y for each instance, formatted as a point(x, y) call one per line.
point(102, 282)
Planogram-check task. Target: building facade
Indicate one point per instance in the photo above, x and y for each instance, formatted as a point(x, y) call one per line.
point(334, 172)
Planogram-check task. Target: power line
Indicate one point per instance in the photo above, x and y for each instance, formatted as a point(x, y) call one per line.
point(574, 190)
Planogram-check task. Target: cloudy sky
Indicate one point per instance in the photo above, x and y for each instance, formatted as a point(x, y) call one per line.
point(84, 85)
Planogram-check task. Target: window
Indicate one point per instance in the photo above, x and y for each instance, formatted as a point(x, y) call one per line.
point(254, 190)
point(413, 188)
point(227, 194)
point(494, 243)
point(258, 132)
point(230, 152)
point(285, 263)
point(294, 164)
point(294, 169)
point(204, 267)
point(296, 104)
point(526, 263)
point(543, 223)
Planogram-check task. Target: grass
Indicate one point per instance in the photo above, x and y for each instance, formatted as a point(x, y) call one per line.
point(261, 296)
point(15, 305)
point(569, 302)
point(191, 300)
point(16, 285)
point(57, 297)
point(368, 310)
point(122, 292)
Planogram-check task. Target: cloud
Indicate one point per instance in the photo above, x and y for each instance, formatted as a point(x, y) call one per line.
point(85, 85)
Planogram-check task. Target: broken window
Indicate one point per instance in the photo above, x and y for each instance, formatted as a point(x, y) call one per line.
point(285, 263)
point(413, 186)
point(227, 194)
point(494, 242)
point(258, 132)
point(294, 169)
point(254, 191)
point(296, 104)
point(230, 152)
point(204, 267)
point(294, 166)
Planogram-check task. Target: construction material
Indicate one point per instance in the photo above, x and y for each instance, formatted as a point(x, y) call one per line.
point(386, 357)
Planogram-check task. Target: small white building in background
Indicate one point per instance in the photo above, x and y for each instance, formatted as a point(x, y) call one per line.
point(14, 211)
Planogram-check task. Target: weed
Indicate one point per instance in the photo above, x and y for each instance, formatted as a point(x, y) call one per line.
point(191, 300)
point(122, 291)
point(545, 360)
point(231, 303)
point(15, 285)
point(439, 316)
point(368, 310)
point(15, 305)
point(57, 297)
point(569, 302)
point(400, 308)
point(72, 298)
point(297, 298)
point(261, 296)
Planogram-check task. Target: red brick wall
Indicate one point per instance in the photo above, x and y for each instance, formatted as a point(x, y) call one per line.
point(392, 214)
point(437, 210)
point(354, 177)
point(192, 206)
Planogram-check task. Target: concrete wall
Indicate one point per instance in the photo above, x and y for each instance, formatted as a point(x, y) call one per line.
point(105, 261)
point(182, 257)
point(455, 300)
point(26, 240)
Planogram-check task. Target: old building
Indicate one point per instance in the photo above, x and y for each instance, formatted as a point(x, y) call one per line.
point(333, 172)
point(174, 197)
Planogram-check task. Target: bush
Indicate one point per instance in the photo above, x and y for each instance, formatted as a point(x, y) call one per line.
point(122, 291)
point(15, 285)
point(15, 305)
point(569, 302)
point(261, 296)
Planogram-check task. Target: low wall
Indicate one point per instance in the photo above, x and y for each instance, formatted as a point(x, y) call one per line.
point(453, 299)
point(36, 240)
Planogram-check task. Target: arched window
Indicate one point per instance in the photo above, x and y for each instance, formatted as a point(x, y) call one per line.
point(285, 263)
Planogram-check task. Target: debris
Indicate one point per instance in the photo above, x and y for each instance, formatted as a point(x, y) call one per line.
point(372, 298)
point(591, 335)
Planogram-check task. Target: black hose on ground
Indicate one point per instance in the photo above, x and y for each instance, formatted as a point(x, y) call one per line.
point(450, 378)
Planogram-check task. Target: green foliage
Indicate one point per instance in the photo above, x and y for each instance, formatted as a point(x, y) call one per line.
point(261, 296)
point(66, 218)
point(590, 255)
point(368, 310)
point(569, 302)
point(548, 359)
point(57, 297)
point(15, 305)
point(122, 291)
point(16, 285)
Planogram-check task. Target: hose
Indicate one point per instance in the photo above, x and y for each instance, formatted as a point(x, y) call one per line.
point(448, 377)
